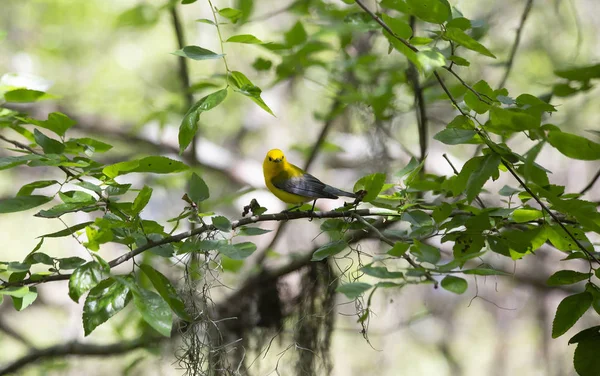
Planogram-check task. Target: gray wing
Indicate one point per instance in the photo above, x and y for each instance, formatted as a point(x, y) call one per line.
point(305, 185)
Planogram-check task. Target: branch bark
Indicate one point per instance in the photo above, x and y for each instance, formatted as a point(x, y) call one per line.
point(513, 51)
point(81, 349)
point(284, 216)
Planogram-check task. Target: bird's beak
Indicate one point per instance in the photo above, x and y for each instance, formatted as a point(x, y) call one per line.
point(276, 160)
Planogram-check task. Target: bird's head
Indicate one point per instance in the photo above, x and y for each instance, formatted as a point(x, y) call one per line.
point(275, 156)
point(274, 160)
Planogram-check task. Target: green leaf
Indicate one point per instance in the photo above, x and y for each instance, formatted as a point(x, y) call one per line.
point(486, 271)
point(155, 311)
point(425, 252)
point(10, 162)
point(586, 335)
point(372, 184)
point(567, 277)
point(329, 249)
point(205, 20)
point(17, 267)
point(231, 14)
point(441, 212)
point(163, 250)
point(513, 119)
point(353, 290)
point(460, 37)
point(104, 300)
point(237, 251)
point(25, 95)
point(87, 145)
point(434, 11)
point(398, 249)
point(574, 146)
point(17, 292)
point(412, 165)
point(455, 136)
point(90, 186)
point(488, 168)
point(586, 360)
point(380, 272)
point(296, 35)
point(584, 74)
point(252, 231)
point(198, 189)
point(28, 189)
point(197, 53)
point(21, 203)
point(166, 290)
point(480, 106)
point(68, 263)
point(155, 164)
point(61, 209)
point(57, 122)
point(244, 38)
point(404, 50)
point(247, 88)
point(460, 23)
point(454, 284)
point(40, 258)
point(398, 26)
point(68, 231)
point(221, 223)
point(417, 218)
point(83, 279)
point(526, 215)
point(142, 15)
point(459, 60)
point(569, 311)
point(20, 303)
point(261, 64)
point(49, 145)
point(115, 189)
point(429, 60)
point(141, 200)
point(189, 124)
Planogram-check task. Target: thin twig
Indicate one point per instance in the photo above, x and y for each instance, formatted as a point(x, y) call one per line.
point(513, 51)
point(385, 26)
point(591, 183)
point(25, 147)
point(479, 201)
point(443, 85)
point(390, 242)
point(547, 210)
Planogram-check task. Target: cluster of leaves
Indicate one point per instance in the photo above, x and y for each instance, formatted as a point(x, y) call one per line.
point(537, 213)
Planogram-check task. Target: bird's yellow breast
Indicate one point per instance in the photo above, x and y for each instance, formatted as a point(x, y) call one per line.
point(275, 164)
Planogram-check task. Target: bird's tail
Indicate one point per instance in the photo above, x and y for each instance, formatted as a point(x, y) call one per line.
point(338, 192)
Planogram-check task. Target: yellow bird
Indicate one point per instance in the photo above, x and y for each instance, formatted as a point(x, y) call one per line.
point(294, 186)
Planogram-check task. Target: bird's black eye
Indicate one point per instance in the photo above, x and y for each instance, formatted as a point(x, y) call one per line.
point(282, 157)
point(271, 159)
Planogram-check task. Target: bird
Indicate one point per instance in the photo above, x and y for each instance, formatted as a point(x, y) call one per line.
point(293, 185)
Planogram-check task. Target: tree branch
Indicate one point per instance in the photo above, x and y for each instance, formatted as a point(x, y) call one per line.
point(481, 132)
point(183, 72)
point(81, 349)
point(513, 52)
point(283, 216)
point(420, 110)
